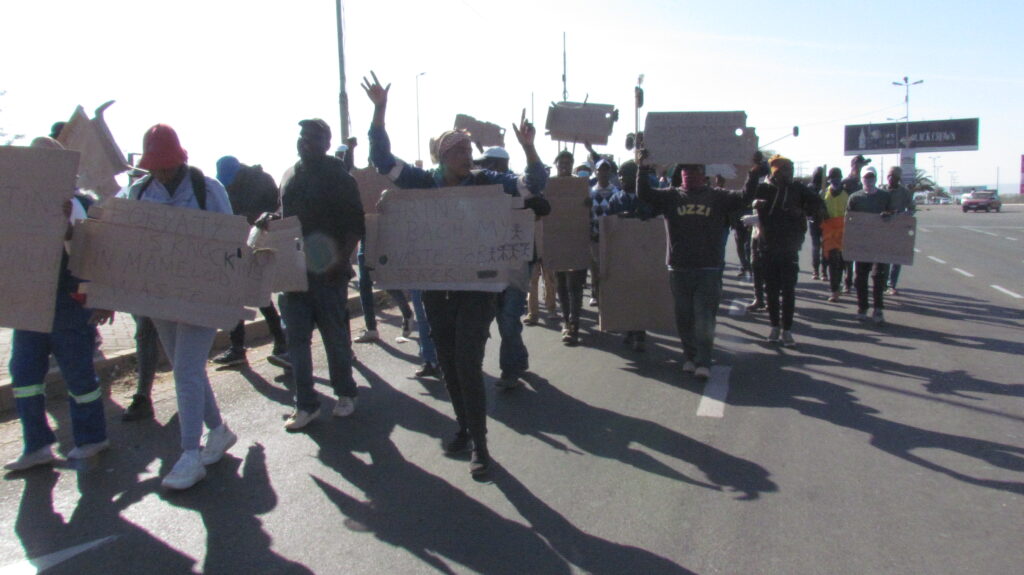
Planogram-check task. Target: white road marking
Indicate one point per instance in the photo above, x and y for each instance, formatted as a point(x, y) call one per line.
point(917, 251)
point(962, 272)
point(991, 234)
point(737, 307)
point(712, 404)
point(936, 260)
point(1007, 292)
point(920, 229)
point(40, 564)
point(1009, 238)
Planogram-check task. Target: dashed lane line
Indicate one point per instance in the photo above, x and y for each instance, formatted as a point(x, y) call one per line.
point(712, 404)
point(936, 260)
point(1007, 292)
point(963, 273)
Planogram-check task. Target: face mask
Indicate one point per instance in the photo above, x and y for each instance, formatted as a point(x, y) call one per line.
point(692, 181)
point(583, 174)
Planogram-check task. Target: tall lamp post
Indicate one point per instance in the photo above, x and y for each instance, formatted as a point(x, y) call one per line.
point(419, 155)
point(906, 84)
point(342, 94)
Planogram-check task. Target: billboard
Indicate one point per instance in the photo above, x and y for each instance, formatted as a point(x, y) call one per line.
point(933, 136)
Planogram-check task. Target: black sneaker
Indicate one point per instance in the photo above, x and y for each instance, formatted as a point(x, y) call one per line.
point(406, 326)
point(140, 409)
point(479, 462)
point(508, 380)
point(280, 359)
point(428, 370)
point(231, 357)
point(757, 306)
point(460, 443)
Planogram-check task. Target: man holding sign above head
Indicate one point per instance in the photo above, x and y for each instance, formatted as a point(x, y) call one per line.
point(459, 320)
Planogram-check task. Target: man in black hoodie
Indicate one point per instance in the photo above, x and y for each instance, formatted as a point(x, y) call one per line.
point(783, 207)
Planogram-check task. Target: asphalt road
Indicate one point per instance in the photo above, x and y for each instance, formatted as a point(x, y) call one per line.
point(895, 449)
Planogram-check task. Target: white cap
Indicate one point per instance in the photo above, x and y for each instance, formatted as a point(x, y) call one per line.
point(496, 153)
point(869, 170)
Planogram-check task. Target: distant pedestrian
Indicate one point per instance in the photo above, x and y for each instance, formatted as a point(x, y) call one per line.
point(870, 200)
point(902, 202)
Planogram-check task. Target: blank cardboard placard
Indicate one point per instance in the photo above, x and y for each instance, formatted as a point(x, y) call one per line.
point(283, 243)
point(460, 238)
point(371, 185)
point(34, 184)
point(580, 122)
point(483, 134)
point(564, 236)
point(635, 291)
point(699, 138)
point(170, 263)
point(102, 159)
point(873, 238)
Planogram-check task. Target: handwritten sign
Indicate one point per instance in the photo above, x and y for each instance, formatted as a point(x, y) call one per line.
point(34, 184)
point(101, 160)
point(635, 291)
point(565, 233)
point(699, 138)
point(483, 134)
point(580, 122)
point(461, 238)
point(176, 263)
point(872, 238)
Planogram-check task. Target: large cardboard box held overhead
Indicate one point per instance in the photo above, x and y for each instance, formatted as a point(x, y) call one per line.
point(461, 238)
point(635, 291)
point(564, 236)
point(580, 122)
point(699, 138)
point(102, 159)
point(34, 184)
point(181, 264)
point(873, 238)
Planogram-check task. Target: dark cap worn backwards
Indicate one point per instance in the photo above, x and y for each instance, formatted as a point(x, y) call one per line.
point(318, 124)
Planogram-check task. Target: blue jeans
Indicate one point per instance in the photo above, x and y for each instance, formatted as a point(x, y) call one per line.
point(513, 357)
point(696, 293)
point(188, 348)
point(894, 275)
point(322, 306)
point(366, 290)
point(428, 353)
point(30, 360)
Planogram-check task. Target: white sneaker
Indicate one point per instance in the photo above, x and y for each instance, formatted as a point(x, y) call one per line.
point(368, 336)
point(41, 456)
point(187, 471)
point(879, 317)
point(689, 367)
point(345, 407)
point(300, 419)
point(702, 373)
point(787, 339)
point(593, 302)
point(89, 449)
point(774, 335)
point(218, 441)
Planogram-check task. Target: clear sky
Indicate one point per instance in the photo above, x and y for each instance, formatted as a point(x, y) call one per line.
point(234, 77)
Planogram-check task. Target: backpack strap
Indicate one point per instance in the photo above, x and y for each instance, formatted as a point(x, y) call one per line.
point(198, 186)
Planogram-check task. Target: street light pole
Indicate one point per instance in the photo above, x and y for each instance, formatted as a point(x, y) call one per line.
point(342, 95)
point(906, 84)
point(419, 154)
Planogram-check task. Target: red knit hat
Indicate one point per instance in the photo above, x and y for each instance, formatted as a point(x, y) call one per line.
point(161, 149)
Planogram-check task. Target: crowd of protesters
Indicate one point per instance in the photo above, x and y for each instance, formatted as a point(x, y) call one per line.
point(770, 215)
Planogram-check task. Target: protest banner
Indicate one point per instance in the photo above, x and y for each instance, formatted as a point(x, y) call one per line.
point(102, 159)
point(283, 242)
point(874, 238)
point(635, 291)
point(460, 238)
point(580, 122)
point(483, 134)
point(699, 138)
point(175, 263)
point(34, 185)
point(371, 185)
point(564, 237)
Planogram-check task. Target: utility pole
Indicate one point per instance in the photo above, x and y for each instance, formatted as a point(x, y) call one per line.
point(342, 95)
point(565, 87)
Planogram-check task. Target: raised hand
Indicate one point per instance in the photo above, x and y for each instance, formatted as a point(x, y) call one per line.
point(525, 132)
point(378, 94)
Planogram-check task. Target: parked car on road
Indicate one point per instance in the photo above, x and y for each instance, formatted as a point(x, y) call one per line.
point(981, 200)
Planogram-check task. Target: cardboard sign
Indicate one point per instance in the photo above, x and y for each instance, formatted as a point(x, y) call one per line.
point(580, 122)
point(635, 291)
point(280, 248)
point(371, 185)
point(34, 184)
point(174, 263)
point(699, 138)
point(483, 134)
point(101, 160)
point(873, 238)
point(460, 238)
point(564, 237)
